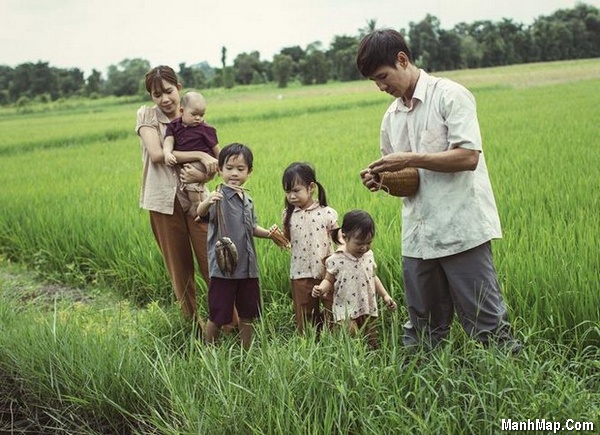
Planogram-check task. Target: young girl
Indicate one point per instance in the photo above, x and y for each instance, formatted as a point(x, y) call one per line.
point(307, 224)
point(351, 275)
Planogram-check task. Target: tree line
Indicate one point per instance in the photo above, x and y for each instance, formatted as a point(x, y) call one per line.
point(565, 34)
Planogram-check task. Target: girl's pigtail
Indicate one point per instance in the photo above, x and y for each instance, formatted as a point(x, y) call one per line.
point(289, 209)
point(321, 194)
point(335, 236)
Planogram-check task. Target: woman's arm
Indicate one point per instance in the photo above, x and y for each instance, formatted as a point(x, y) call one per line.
point(151, 141)
point(194, 156)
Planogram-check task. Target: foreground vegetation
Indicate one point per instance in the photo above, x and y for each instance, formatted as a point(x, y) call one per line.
point(110, 354)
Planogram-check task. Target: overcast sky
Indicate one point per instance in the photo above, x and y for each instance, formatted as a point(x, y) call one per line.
point(89, 34)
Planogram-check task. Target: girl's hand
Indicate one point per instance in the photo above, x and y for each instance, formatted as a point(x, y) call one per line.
point(317, 291)
point(391, 304)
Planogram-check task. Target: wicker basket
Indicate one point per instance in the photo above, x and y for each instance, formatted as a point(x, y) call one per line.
point(400, 183)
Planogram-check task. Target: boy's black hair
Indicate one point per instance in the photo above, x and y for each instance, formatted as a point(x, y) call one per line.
point(356, 223)
point(236, 149)
point(380, 48)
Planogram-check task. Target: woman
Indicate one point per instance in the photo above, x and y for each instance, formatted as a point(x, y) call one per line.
point(178, 236)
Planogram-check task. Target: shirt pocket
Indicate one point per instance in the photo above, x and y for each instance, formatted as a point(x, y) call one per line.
point(434, 141)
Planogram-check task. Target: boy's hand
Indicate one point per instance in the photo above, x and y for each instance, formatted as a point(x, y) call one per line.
point(276, 235)
point(205, 205)
point(214, 197)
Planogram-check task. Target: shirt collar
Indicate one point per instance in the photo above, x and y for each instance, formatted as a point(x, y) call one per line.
point(350, 256)
point(313, 206)
point(418, 94)
point(229, 192)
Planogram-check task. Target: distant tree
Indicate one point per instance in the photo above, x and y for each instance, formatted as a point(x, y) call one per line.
point(471, 52)
point(342, 53)
point(494, 46)
point(424, 42)
point(227, 73)
point(31, 80)
point(266, 68)
point(217, 80)
point(94, 83)
point(70, 81)
point(369, 27)
point(207, 71)
point(4, 97)
point(547, 35)
point(191, 77)
point(592, 25)
point(449, 51)
point(568, 33)
point(513, 36)
point(282, 69)
point(6, 75)
point(228, 77)
point(127, 78)
point(297, 54)
point(315, 67)
point(247, 66)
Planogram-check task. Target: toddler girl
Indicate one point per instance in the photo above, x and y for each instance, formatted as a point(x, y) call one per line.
point(351, 275)
point(307, 224)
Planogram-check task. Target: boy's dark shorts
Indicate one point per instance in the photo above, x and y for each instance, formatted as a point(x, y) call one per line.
point(224, 293)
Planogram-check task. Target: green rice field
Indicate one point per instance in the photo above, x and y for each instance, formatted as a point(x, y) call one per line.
point(111, 354)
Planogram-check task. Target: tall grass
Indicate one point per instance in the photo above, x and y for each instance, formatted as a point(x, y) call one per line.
point(112, 369)
point(69, 200)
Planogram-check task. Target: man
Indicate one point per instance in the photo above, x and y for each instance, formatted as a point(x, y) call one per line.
point(448, 224)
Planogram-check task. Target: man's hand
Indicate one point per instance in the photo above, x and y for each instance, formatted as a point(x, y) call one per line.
point(369, 180)
point(392, 162)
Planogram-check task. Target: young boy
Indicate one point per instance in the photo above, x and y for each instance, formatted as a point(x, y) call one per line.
point(231, 214)
point(189, 132)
